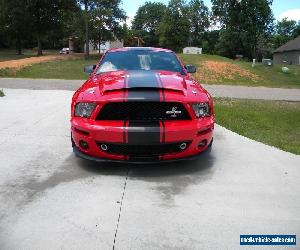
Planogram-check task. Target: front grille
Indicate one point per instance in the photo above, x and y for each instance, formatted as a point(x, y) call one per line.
point(143, 150)
point(143, 111)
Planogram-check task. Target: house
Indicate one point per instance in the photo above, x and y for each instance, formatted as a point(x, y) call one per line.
point(75, 44)
point(104, 46)
point(288, 53)
point(192, 50)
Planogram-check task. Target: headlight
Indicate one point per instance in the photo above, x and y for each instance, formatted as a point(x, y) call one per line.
point(201, 109)
point(84, 109)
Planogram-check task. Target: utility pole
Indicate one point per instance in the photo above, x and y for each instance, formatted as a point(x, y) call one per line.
point(140, 41)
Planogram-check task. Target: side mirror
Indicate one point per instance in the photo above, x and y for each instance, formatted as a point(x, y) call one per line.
point(190, 68)
point(89, 69)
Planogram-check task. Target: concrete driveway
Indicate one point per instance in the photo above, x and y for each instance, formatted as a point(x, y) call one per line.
point(51, 200)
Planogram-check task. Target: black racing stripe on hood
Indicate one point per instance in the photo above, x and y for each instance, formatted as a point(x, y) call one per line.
point(143, 85)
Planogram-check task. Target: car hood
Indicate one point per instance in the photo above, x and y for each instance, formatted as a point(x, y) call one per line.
point(112, 84)
point(146, 79)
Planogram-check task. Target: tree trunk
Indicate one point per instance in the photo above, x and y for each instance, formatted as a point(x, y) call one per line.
point(99, 41)
point(19, 45)
point(254, 52)
point(39, 44)
point(87, 41)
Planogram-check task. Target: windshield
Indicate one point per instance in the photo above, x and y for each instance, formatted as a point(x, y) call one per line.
point(140, 60)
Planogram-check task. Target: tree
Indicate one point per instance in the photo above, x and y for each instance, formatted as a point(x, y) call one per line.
point(199, 18)
point(209, 41)
point(146, 22)
point(86, 22)
point(87, 5)
point(296, 31)
point(46, 16)
point(31, 22)
point(106, 18)
point(284, 32)
point(13, 15)
point(244, 24)
point(102, 20)
point(174, 29)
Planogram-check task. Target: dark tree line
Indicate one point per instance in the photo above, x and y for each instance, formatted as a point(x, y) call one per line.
point(25, 22)
point(174, 26)
point(285, 30)
point(49, 24)
point(231, 27)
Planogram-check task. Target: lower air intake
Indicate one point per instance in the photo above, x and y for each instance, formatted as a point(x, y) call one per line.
point(144, 150)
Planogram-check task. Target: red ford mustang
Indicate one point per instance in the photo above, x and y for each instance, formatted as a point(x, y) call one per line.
point(140, 105)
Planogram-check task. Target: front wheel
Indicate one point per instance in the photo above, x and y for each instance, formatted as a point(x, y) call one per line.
point(209, 147)
point(211, 142)
point(72, 141)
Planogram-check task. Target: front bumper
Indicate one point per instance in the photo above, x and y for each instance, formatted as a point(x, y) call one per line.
point(114, 132)
point(84, 156)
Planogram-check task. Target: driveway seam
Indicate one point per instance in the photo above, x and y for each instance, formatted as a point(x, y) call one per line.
point(121, 203)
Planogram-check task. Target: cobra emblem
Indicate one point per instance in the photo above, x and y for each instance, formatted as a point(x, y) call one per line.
point(173, 112)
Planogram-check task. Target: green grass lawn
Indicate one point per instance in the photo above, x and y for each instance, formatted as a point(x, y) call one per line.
point(8, 54)
point(198, 59)
point(62, 69)
point(222, 71)
point(267, 76)
point(275, 123)
point(273, 76)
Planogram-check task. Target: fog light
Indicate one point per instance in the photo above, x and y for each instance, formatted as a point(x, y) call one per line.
point(182, 146)
point(104, 147)
point(202, 143)
point(83, 144)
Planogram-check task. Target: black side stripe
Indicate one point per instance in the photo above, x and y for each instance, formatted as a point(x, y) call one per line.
point(163, 129)
point(163, 132)
point(124, 132)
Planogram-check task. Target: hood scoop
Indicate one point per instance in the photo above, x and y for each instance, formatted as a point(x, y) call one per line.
point(139, 89)
point(142, 81)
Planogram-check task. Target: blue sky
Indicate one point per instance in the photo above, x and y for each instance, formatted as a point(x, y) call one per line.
point(281, 8)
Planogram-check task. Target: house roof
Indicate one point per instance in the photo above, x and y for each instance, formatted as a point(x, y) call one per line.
point(289, 46)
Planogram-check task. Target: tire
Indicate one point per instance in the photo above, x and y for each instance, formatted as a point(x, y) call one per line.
point(209, 147)
point(72, 141)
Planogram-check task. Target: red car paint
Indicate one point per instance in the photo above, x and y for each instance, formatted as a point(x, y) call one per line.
point(113, 87)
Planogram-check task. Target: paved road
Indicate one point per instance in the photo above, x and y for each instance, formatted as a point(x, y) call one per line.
point(215, 90)
point(262, 93)
point(40, 84)
point(52, 200)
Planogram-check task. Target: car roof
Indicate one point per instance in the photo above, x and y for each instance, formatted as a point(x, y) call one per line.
point(139, 48)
